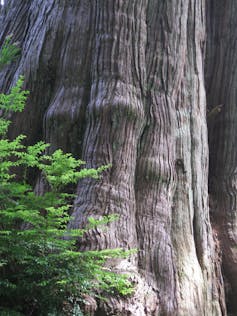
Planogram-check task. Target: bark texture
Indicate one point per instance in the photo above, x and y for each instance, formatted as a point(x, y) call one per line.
point(122, 82)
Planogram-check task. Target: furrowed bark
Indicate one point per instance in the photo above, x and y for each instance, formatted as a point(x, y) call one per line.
point(172, 186)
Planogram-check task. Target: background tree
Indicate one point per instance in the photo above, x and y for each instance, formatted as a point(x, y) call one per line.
point(221, 90)
point(122, 82)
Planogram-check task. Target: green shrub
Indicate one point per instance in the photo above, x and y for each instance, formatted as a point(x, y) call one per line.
point(8, 53)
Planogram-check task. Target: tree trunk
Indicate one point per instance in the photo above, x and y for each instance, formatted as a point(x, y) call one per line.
point(221, 78)
point(122, 82)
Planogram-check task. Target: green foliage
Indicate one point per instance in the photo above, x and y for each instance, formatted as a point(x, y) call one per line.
point(8, 52)
point(40, 266)
point(61, 169)
point(15, 100)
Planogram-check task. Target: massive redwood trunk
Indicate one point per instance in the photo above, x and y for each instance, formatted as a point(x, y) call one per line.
point(122, 82)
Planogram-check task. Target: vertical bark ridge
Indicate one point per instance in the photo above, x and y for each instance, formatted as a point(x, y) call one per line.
point(117, 78)
point(55, 87)
point(32, 30)
point(155, 180)
point(115, 93)
point(198, 242)
point(65, 116)
point(161, 169)
point(196, 106)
